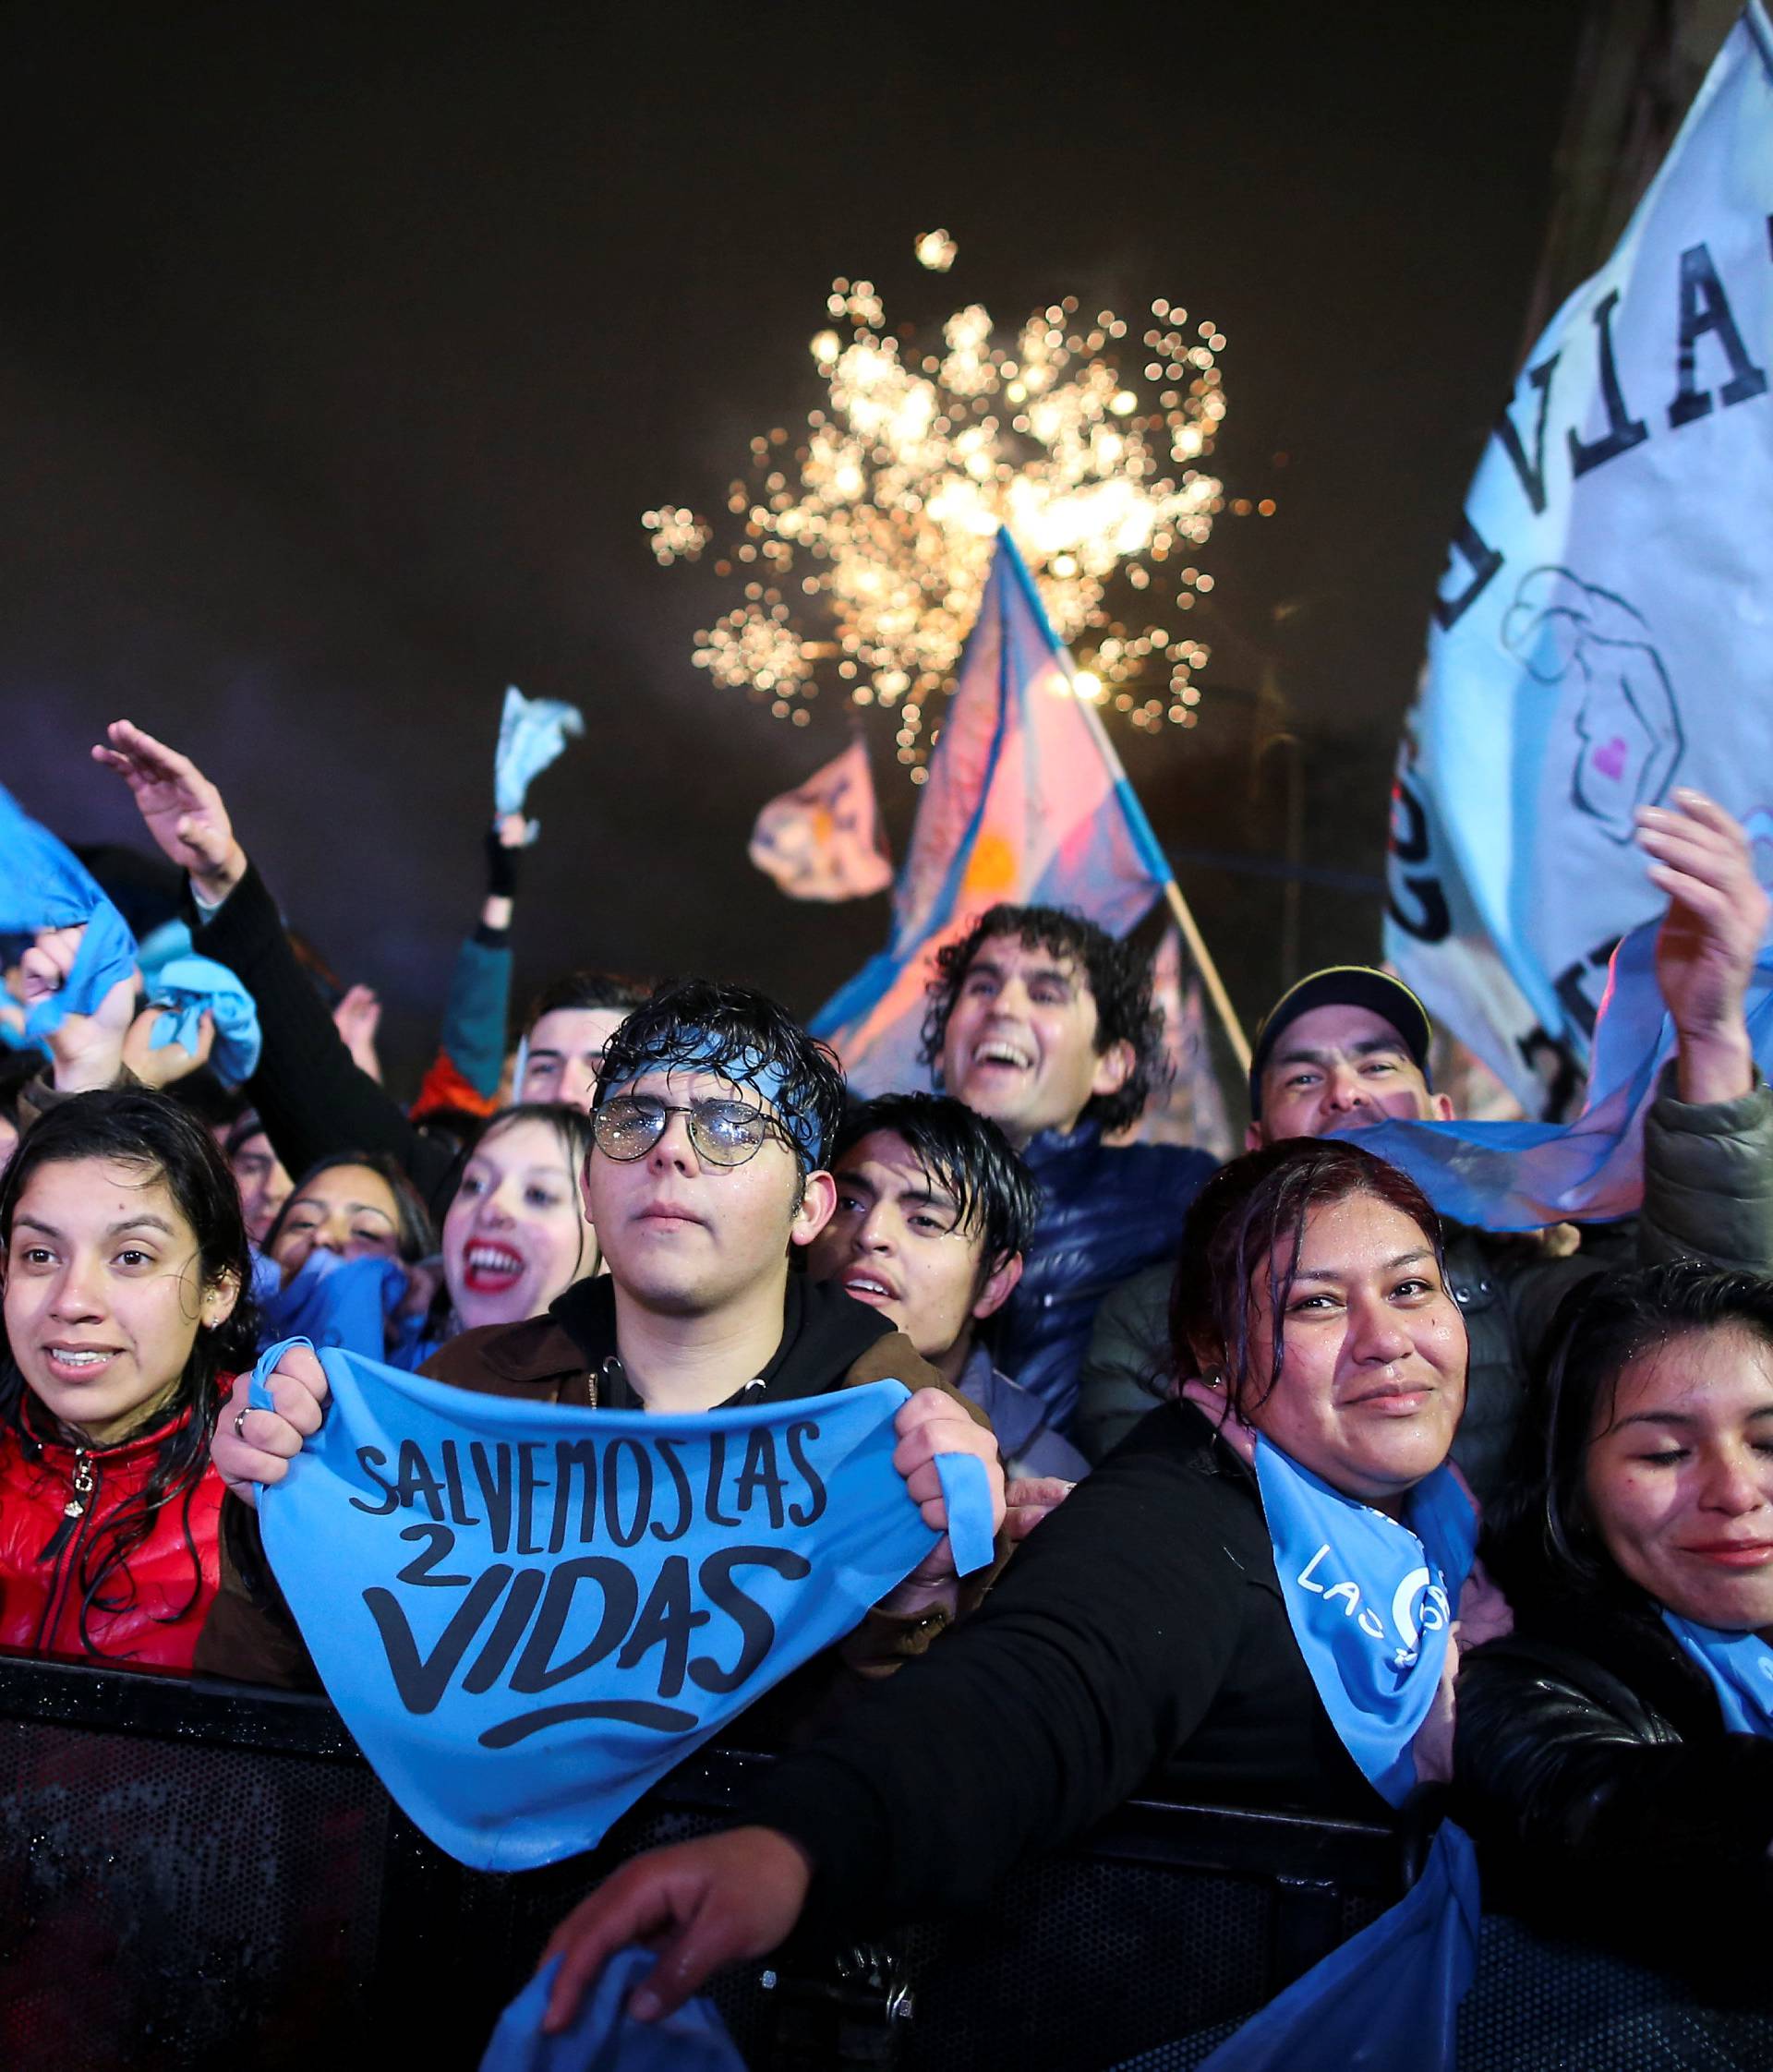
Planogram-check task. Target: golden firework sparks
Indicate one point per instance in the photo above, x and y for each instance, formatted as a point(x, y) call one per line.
point(861, 545)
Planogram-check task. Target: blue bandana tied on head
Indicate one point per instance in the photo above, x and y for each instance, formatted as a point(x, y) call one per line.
point(1741, 1668)
point(1371, 1600)
point(694, 1050)
point(44, 885)
point(188, 987)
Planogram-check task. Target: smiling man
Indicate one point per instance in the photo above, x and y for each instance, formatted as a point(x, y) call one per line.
point(1348, 1046)
point(934, 1215)
point(1044, 1022)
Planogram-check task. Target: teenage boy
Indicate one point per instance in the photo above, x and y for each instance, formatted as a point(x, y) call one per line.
point(1349, 1046)
point(1044, 1022)
point(712, 1130)
point(934, 1216)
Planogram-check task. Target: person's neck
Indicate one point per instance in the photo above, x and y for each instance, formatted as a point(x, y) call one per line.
point(952, 1364)
point(1022, 1138)
point(680, 1362)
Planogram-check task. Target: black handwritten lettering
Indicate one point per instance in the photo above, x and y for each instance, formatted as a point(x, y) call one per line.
point(625, 1536)
point(1531, 473)
point(1483, 560)
point(370, 1458)
point(1624, 431)
point(422, 1567)
point(761, 1472)
point(536, 1668)
point(632, 1712)
point(502, 1643)
point(528, 1484)
point(493, 1473)
point(421, 1680)
point(813, 1510)
point(756, 1628)
point(680, 1482)
point(453, 1483)
point(569, 1454)
point(711, 1508)
point(1705, 308)
point(416, 1481)
point(667, 1620)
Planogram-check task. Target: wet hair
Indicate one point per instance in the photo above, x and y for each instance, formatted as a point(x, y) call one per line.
point(585, 992)
point(1120, 982)
point(966, 1155)
point(1542, 1524)
point(1252, 1213)
point(702, 1025)
point(135, 1128)
point(415, 1235)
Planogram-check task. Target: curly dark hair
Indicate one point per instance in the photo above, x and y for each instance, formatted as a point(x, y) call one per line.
point(704, 1025)
point(1120, 982)
point(967, 1153)
point(133, 1126)
point(1252, 1213)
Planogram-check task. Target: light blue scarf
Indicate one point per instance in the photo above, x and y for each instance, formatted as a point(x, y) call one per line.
point(1741, 1668)
point(1371, 1602)
point(188, 987)
point(44, 884)
point(532, 734)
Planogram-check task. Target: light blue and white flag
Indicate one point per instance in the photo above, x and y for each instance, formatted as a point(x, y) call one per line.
point(1605, 629)
point(533, 732)
point(1027, 802)
point(42, 886)
point(526, 1613)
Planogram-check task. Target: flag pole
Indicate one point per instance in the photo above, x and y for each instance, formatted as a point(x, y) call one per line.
point(1177, 905)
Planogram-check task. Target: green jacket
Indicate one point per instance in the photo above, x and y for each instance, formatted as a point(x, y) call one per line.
point(1708, 1194)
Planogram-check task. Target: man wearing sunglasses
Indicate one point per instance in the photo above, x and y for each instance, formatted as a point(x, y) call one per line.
point(712, 1127)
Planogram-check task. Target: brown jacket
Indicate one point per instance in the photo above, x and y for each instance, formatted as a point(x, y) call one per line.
point(829, 1341)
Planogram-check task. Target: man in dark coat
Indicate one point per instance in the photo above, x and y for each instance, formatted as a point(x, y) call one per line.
point(1044, 1022)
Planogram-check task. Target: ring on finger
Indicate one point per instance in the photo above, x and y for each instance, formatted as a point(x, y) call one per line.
point(240, 1426)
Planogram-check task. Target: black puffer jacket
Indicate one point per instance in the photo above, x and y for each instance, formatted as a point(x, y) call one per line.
point(1104, 1213)
point(1608, 1803)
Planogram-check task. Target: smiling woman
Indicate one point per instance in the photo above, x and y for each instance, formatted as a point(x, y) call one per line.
point(125, 1261)
point(516, 1237)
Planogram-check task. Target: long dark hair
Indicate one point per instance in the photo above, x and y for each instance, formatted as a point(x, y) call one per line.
point(415, 1234)
point(1253, 1212)
point(164, 1140)
point(1542, 1530)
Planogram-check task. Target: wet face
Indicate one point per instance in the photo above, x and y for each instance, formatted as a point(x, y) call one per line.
point(689, 1238)
point(565, 1054)
point(1373, 1374)
point(1020, 1044)
point(1338, 1068)
point(105, 1293)
point(264, 1185)
point(1680, 1481)
point(895, 1242)
point(349, 1211)
point(515, 1235)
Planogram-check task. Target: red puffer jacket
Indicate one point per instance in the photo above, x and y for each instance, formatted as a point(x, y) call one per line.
point(54, 1501)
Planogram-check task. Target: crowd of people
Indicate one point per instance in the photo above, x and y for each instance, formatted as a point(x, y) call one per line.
point(660, 1197)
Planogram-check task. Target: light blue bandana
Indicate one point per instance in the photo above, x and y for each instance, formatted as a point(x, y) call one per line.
point(188, 987)
point(44, 885)
point(1741, 1668)
point(694, 1050)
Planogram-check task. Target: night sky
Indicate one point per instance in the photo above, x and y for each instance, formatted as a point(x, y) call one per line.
point(341, 351)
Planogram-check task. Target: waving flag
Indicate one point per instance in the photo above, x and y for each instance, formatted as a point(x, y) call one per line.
point(822, 841)
point(1189, 1107)
point(1026, 802)
point(44, 885)
point(532, 733)
point(1604, 631)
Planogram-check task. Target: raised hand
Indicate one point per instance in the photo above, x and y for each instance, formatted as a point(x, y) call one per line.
point(357, 1018)
point(1710, 939)
point(172, 1061)
point(87, 1050)
point(183, 810)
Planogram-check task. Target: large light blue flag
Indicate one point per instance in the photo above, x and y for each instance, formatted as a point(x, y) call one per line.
point(1605, 629)
point(1027, 802)
point(527, 1613)
point(44, 885)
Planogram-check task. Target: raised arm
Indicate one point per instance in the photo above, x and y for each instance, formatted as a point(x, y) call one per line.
point(310, 1095)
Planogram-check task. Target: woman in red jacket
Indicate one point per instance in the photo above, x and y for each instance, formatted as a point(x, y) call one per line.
point(125, 1262)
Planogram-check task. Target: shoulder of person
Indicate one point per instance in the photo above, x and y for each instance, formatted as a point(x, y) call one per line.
point(893, 1358)
point(533, 1356)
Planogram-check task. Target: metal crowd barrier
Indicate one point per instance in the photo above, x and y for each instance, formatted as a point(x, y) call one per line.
point(202, 1875)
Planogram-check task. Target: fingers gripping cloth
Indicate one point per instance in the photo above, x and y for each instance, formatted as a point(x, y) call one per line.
point(44, 884)
point(966, 1489)
point(604, 2038)
point(187, 988)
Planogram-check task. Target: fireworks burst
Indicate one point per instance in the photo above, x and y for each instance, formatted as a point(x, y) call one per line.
point(863, 546)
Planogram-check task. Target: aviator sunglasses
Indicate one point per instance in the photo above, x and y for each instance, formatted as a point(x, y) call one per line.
point(722, 1132)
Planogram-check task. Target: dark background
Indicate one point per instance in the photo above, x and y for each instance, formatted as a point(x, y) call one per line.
point(341, 351)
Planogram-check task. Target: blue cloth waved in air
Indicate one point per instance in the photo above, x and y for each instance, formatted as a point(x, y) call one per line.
point(44, 885)
point(189, 987)
point(603, 2038)
point(532, 734)
point(527, 1613)
point(1371, 1600)
point(1521, 1175)
point(351, 1303)
point(1741, 1668)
